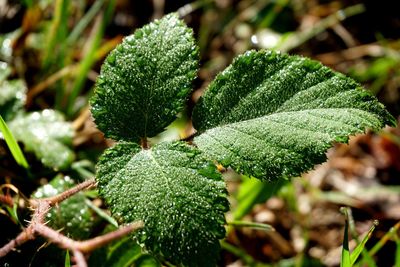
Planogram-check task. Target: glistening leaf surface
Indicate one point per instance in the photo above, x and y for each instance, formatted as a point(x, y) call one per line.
point(145, 81)
point(271, 115)
point(12, 98)
point(178, 194)
point(47, 135)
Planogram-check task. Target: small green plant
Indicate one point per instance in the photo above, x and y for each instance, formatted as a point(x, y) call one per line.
point(268, 115)
point(49, 136)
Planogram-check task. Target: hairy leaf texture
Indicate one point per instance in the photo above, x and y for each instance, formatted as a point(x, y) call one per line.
point(145, 80)
point(178, 194)
point(272, 115)
point(47, 135)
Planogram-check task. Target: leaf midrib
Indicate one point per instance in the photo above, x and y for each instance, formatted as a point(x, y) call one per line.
point(329, 135)
point(163, 174)
point(292, 112)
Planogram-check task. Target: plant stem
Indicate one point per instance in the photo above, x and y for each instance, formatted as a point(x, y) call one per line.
point(66, 194)
point(24, 236)
point(299, 38)
point(79, 259)
point(144, 143)
point(37, 227)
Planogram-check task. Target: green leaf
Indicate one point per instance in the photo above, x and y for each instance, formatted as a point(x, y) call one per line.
point(12, 144)
point(145, 80)
point(271, 115)
point(72, 215)
point(252, 192)
point(175, 191)
point(124, 252)
point(12, 98)
point(146, 261)
point(47, 135)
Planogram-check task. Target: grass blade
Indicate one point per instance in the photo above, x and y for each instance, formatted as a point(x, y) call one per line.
point(253, 191)
point(367, 260)
point(84, 22)
point(390, 234)
point(12, 144)
point(56, 35)
point(345, 259)
point(101, 213)
point(397, 256)
point(296, 39)
point(253, 225)
point(242, 254)
point(98, 29)
point(360, 247)
point(67, 259)
point(13, 213)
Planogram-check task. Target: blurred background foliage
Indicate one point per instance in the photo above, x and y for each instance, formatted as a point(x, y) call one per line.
point(50, 55)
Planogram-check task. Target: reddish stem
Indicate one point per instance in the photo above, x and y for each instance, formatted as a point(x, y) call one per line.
point(37, 227)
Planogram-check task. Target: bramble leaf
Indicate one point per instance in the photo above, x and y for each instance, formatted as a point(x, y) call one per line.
point(145, 81)
point(47, 135)
point(175, 191)
point(271, 115)
point(12, 95)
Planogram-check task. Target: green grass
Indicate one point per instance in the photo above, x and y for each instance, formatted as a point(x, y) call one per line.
point(348, 258)
point(12, 144)
point(67, 259)
point(345, 258)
